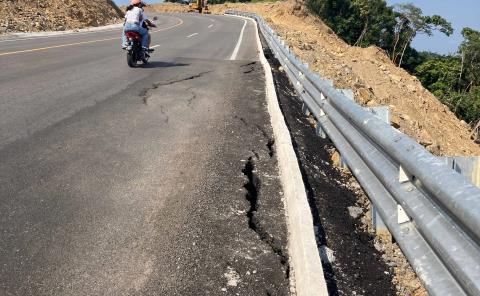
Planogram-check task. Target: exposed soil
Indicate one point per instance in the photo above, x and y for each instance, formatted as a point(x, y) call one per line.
point(354, 260)
point(56, 15)
point(167, 7)
point(369, 72)
point(355, 266)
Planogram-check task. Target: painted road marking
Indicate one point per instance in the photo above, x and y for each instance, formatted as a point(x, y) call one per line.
point(60, 35)
point(81, 43)
point(239, 42)
point(210, 26)
point(194, 34)
point(155, 46)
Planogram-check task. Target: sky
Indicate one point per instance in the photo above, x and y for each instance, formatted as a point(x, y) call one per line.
point(461, 13)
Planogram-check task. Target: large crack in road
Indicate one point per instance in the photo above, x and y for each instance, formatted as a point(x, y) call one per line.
point(145, 193)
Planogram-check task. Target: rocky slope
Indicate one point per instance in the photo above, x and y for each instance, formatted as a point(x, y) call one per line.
point(55, 15)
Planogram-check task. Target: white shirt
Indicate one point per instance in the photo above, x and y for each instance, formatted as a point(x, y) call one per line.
point(134, 16)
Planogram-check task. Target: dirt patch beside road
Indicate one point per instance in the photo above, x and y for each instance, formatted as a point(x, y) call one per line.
point(167, 7)
point(354, 260)
point(56, 15)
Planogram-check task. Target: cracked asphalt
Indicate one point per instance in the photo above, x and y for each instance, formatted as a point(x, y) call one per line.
point(159, 180)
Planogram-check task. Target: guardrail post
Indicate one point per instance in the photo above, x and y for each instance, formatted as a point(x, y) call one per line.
point(383, 112)
point(305, 110)
point(379, 226)
point(319, 130)
point(330, 82)
point(468, 166)
point(348, 93)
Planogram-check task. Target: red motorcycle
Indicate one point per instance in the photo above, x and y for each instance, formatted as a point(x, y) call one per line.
point(135, 52)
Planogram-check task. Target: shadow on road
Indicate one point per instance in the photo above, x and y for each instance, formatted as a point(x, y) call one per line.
point(163, 65)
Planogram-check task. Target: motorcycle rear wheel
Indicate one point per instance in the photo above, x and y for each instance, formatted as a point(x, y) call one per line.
point(131, 60)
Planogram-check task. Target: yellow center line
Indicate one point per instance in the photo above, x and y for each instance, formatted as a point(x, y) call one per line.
point(84, 42)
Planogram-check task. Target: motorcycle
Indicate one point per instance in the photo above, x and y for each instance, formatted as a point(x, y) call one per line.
point(135, 52)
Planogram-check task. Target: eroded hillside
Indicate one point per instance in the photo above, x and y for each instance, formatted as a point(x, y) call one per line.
point(55, 15)
point(368, 71)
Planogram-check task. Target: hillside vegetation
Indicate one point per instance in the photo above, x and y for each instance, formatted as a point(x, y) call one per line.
point(454, 79)
point(54, 15)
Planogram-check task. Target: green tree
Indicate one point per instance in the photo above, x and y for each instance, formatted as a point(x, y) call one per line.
point(440, 75)
point(378, 21)
point(337, 14)
point(358, 22)
point(470, 52)
point(466, 105)
point(411, 22)
point(455, 79)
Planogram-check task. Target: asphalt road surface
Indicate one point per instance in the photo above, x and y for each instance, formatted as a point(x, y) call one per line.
point(156, 180)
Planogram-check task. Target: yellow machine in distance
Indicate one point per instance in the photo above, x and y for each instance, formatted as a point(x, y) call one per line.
point(199, 5)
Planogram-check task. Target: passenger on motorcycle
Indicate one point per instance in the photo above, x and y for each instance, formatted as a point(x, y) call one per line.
point(134, 18)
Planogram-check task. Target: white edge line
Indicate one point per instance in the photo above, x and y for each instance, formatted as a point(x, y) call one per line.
point(192, 35)
point(308, 279)
point(239, 42)
point(210, 26)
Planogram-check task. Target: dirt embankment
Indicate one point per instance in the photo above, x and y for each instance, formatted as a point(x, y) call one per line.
point(167, 7)
point(56, 15)
point(368, 71)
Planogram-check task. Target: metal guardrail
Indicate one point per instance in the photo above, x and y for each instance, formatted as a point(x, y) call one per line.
point(441, 234)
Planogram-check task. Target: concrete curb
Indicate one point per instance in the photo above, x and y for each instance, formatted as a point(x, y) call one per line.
point(302, 246)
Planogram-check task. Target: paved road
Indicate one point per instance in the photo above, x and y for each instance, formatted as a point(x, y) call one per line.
point(157, 180)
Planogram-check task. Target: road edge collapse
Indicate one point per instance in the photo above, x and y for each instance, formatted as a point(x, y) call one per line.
point(305, 260)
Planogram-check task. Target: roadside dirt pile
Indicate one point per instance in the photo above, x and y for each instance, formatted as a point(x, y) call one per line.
point(56, 15)
point(167, 7)
point(369, 72)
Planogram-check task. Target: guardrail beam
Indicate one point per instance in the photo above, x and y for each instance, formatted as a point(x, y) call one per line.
point(432, 211)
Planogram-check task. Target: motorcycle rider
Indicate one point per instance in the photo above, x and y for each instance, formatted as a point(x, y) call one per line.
point(134, 19)
point(147, 24)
